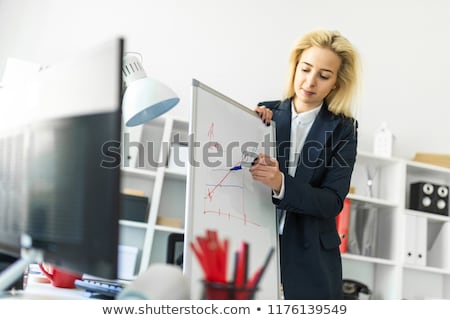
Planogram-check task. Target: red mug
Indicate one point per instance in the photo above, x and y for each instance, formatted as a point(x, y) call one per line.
point(59, 277)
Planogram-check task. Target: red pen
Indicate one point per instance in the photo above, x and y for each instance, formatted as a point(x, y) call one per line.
point(201, 259)
point(242, 266)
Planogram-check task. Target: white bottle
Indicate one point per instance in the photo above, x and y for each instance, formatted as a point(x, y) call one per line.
point(383, 141)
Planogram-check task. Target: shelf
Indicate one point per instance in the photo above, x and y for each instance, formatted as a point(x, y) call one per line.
point(136, 172)
point(168, 229)
point(429, 216)
point(420, 168)
point(134, 224)
point(427, 269)
point(378, 203)
point(356, 257)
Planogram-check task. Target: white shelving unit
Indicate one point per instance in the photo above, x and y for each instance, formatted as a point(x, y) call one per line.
point(381, 192)
point(164, 187)
point(430, 276)
point(407, 263)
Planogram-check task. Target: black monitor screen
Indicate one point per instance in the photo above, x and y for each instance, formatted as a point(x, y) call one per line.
point(58, 188)
point(74, 198)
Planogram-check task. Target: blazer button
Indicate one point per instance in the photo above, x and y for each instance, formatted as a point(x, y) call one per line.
point(306, 245)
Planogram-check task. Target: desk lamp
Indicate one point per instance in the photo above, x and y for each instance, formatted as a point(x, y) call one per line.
point(145, 98)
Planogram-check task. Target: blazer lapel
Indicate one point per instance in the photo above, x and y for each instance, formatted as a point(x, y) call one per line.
point(282, 117)
point(320, 132)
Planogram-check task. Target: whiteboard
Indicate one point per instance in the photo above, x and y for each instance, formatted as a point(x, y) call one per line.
point(223, 133)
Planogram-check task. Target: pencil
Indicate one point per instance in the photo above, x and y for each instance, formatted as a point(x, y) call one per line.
point(253, 283)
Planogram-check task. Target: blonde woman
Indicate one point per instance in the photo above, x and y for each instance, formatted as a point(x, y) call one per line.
point(316, 151)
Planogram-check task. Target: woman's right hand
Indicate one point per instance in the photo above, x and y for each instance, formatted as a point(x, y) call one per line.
point(267, 171)
point(265, 114)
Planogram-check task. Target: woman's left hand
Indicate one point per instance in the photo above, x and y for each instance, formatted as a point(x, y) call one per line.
point(265, 114)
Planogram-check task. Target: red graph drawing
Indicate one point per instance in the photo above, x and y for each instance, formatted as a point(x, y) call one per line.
point(236, 189)
point(211, 136)
point(230, 204)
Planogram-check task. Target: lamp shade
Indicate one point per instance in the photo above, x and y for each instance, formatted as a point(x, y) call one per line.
point(144, 98)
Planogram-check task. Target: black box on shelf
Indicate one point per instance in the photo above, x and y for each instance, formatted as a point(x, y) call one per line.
point(429, 197)
point(134, 208)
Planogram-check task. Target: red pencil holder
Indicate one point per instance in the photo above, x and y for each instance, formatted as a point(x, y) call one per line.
point(226, 291)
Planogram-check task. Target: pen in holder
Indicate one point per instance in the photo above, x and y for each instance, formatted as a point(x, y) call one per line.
point(226, 291)
point(212, 255)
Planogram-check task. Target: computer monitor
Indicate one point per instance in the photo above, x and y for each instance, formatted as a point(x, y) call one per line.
point(67, 180)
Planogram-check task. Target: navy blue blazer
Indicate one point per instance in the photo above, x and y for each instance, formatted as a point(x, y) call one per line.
point(311, 266)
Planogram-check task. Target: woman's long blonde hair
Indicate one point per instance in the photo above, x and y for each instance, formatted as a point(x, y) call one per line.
point(339, 100)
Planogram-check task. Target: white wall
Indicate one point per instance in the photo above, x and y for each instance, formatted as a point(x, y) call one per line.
point(241, 47)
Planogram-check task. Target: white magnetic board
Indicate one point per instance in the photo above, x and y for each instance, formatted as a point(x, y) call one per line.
point(223, 133)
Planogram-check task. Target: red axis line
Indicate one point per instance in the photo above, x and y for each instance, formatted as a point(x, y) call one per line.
point(217, 185)
point(231, 216)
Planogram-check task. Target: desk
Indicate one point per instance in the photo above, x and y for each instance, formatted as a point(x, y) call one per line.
point(39, 288)
point(159, 282)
